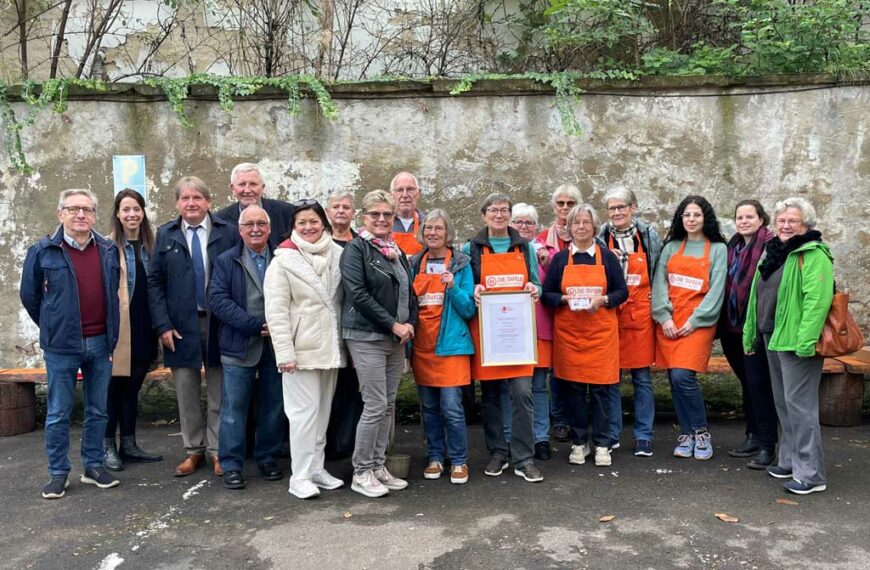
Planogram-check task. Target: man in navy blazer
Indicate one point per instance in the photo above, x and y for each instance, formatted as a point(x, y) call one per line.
point(247, 185)
point(177, 294)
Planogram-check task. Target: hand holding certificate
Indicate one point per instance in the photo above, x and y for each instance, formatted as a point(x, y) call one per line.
point(508, 331)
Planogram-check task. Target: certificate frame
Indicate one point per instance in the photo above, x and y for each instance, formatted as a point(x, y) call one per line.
point(500, 315)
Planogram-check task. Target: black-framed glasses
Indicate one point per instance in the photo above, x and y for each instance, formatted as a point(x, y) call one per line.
point(75, 210)
point(617, 208)
point(304, 203)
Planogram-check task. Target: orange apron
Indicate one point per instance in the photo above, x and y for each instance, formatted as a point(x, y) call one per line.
point(499, 272)
point(688, 283)
point(586, 343)
point(636, 325)
point(429, 369)
point(407, 241)
point(545, 353)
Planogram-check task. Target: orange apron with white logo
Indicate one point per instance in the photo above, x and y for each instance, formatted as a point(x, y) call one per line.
point(407, 241)
point(499, 272)
point(688, 283)
point(636, 325)
point(586, 344)
point(429, 369)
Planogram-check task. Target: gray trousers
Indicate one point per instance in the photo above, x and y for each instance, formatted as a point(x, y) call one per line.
point(795, 382)
point(195, 433)
point(379, 365)
point(522, 446)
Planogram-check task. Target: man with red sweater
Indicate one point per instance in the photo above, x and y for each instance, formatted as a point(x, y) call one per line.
point(69, 286)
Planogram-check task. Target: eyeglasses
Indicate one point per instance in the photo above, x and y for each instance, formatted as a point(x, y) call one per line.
point(566, 203)
point(434, 229)
point(75, 210)
point(617, 208)
point(497, 211)
point(581, 223)
point(375, 215)
point(522, 223)
point(257, 224)
point(304, 203)
point(789, 222)
point(405, 190)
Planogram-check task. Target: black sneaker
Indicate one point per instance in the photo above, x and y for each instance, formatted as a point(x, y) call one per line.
point(529, 472)
point(643, 448)
point(496, 466)
point(56, 488)
point(779, 472)
point(542, 450)
point(99, 477)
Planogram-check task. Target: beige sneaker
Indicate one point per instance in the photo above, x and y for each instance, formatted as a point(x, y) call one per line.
point(388, 480)
point(433, 470)
point(602, 457)
point(459, 474)
point(578, 454)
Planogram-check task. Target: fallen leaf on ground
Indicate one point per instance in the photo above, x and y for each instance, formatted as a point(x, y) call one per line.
point(607, 518)
point(727, 518)
point(346, 514)
point(268, 518)
point(787, 502)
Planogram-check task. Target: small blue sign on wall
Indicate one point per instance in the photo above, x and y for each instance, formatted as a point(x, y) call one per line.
point(129, 172)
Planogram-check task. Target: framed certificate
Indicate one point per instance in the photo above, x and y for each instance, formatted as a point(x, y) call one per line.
point(508, 332)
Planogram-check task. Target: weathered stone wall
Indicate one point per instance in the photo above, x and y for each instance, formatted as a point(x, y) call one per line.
point(725, 143)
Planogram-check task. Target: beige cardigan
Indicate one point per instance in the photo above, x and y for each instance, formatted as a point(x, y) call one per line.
point(122, 357)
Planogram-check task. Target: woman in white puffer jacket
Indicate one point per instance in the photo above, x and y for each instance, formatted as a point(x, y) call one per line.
point(303, 296)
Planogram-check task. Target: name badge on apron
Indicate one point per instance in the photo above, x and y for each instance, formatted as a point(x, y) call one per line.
point(505, 281)
point(430, 299)
point(632, 279)
point(685, 282)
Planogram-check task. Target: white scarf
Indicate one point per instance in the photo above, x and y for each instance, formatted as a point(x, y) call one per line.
point(317, 254)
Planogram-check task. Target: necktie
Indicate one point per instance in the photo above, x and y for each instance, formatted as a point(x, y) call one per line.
point(198, 266)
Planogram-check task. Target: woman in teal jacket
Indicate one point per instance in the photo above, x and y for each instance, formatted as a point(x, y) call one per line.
point(789, 301)
point(444, 286)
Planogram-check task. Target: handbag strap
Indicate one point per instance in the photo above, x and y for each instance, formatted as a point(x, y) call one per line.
point(801, 268)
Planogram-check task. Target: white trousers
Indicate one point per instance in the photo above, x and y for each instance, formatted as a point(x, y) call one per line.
point(307, 403)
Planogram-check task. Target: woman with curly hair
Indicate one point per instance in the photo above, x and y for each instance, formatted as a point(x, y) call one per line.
point(688, 288)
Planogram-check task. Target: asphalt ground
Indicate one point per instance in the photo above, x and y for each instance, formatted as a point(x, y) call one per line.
point(663, 511)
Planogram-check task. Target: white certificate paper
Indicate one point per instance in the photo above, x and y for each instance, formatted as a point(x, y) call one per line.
point(508, 334)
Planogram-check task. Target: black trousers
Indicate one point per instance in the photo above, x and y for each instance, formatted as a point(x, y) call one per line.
point(122, 403)
point(578, 398)
point(758, 405)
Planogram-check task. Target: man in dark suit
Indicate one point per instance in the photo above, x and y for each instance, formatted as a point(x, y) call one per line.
point(177, 293)
point(247, 185)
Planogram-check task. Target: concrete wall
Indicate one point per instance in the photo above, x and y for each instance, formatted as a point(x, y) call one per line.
point(725, 143)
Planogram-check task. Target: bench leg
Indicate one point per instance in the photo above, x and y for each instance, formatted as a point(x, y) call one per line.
point(17, 408)
point(841, 396)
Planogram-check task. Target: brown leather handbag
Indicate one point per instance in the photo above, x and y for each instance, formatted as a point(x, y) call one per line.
point(840, 335)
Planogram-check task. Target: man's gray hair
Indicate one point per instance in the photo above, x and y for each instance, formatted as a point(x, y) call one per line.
point(253, 208)
point(74, 192)
point(403, 173)
point(620, 193)
point(583, 208)
point(523, 210)
point(437, 214)
point(340, 195)
point(245, 167)
point(808, 212)
point(569, 191)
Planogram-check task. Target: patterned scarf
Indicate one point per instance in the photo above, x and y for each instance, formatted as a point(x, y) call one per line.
point(624, 240)
point(387, 247)
point(742, 259)
point(559, 236)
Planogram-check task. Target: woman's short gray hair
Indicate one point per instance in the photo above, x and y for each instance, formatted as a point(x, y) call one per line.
point(76, 192)
point(569, 191)
point(623, 194)
point(377, 197)
point(808, 213)
point(495, 198)
point(340, 195)
point(581, 208)
point(523, 210)
point(437, 214)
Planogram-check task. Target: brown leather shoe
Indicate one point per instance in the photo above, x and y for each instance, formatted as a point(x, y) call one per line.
point(217, 466)
point(189, 465)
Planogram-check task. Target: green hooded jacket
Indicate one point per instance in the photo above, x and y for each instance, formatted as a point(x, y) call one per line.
point(802, 302)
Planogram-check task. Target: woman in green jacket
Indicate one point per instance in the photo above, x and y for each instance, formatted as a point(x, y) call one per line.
point(790, 298)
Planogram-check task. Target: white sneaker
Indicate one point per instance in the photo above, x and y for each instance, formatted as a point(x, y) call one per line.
point(368, 485)
point(390, 482)
point(324, 480)
point(303, 488)
point(602, 457)
point(578, 454)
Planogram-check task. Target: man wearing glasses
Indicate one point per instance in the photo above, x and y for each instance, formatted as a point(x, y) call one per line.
point(248, 359)
point(178, 288)
point(406, 224)
point(247, 186)
point(69, 286)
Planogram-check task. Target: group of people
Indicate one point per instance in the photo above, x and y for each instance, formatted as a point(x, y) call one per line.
point(303, 326)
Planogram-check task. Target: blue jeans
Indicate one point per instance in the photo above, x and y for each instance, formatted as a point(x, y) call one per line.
point(644, 406)
point(443, 415)
point(688, 400)
point(541, 402)
point(599, 401)
point(560, 412)
point(61, 371)
point(239, 385)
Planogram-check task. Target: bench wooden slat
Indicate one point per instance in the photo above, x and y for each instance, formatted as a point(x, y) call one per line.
point(37, 375)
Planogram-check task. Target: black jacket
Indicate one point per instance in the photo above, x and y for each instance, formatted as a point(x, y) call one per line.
point(481, 241)
point(280, 218)
point(371, 289)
